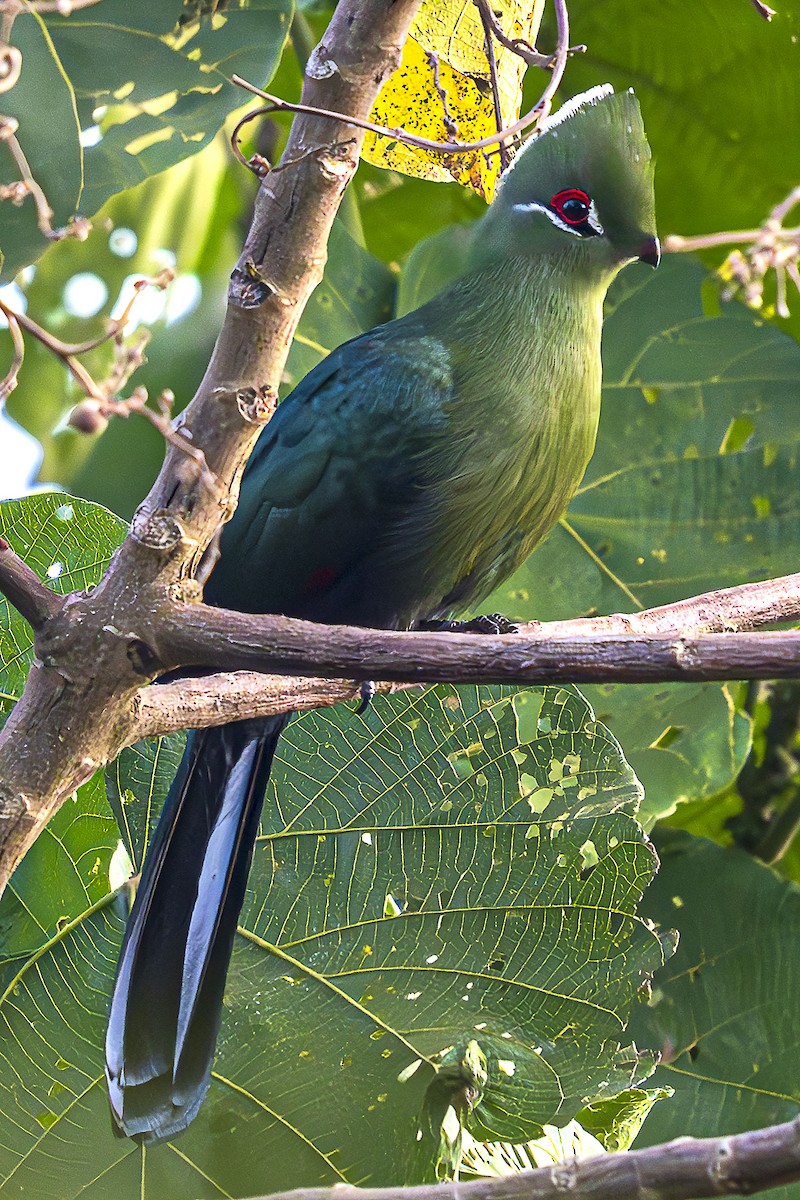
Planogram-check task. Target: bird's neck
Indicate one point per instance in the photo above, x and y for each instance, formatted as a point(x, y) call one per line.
point(553, 300)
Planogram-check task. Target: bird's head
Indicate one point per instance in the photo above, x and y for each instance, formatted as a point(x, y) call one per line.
point(582, 186)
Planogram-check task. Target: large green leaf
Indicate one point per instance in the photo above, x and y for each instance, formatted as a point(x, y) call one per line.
point(49, 135)
point(164, 110)
point(455, 865)
point(685, 741)
point(723, 1009)
point(68, 542)
point(65, 872)
point(137, 783)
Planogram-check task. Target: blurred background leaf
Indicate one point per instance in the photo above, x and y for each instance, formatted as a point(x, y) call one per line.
point(722, 1009)
point(105, 126)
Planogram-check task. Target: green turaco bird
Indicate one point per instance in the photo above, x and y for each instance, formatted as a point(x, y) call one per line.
point(403, 479)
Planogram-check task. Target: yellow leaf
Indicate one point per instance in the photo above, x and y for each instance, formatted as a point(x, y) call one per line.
point(409, 100)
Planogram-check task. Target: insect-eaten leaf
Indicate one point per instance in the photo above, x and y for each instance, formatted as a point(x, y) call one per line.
point(442, 91)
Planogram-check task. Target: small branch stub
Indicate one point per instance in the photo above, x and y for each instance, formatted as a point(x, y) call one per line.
point(23, 588)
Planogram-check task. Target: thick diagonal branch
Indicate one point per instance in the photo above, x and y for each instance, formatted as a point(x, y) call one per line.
point(78, 707)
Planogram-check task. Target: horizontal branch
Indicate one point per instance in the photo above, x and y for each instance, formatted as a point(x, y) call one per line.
point(232, 695)
point(197, 635)
point(725, 610)
point(198, 703)
point(685, 1169)
point(23, 588)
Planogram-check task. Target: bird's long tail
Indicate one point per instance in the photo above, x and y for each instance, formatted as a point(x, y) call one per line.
point(167, 1000)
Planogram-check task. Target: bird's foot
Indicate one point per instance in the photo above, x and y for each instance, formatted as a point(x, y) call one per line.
point(488, 623)
point(367, 690)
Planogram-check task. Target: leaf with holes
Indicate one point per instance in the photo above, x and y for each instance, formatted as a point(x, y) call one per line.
point(453, 867)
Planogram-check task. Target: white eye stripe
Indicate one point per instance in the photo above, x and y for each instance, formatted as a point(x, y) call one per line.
point(592, 218)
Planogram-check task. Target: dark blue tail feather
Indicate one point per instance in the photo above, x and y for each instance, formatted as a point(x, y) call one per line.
point(167, 1000)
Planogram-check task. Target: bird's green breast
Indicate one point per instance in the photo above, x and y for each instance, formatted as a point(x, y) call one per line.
point(524, 348)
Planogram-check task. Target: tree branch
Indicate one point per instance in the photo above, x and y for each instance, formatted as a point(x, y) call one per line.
point(684, 1169)
point(78, 708)
point(23, 588)
point(233, 695)
point(197, 635)
point(725, 610)
point(198, 703)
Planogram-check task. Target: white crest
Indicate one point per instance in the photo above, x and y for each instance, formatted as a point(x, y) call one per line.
point(570, 107)
point(567, 110)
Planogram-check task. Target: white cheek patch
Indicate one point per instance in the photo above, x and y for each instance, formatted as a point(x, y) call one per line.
point(592, 219)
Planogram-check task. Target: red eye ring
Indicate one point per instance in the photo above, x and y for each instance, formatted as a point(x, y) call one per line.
point(572, 206)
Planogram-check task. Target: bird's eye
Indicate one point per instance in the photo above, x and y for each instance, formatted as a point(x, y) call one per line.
point(572, 206)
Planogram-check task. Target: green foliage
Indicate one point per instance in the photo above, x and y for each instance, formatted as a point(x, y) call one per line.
point(454, 867)
point(448, 845)
point(722, 1008)
point(68, 543)
point(723, 159)
point(166, 110)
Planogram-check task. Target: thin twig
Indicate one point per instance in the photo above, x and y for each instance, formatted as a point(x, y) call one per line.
point(23, 588)
point(44, 213)
point(763, 10)
point(528, 53)
point(161, 420)
point(11, 378)
point(451, 128)
point(772, 248)
point(486, 17)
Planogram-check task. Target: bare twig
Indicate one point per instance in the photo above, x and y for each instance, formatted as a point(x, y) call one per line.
point(102, 402)
point(11, 377)
point(451, 128)
point(685, 1169)
point(161, 420)
point(486, 17)
point(23, 588)
point(197, 703)
point(68, 353)
point(44, 213)
point(763, 10)
point(772, 248)
point(524, 50)
point(725, 610)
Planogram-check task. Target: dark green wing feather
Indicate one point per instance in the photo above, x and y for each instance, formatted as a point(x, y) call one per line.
point(349, 460)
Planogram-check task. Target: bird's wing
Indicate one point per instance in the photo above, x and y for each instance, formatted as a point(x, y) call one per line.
point(345, 459)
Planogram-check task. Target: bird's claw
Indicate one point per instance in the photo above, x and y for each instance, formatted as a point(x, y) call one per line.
point(367, 690)
point(487, 623)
